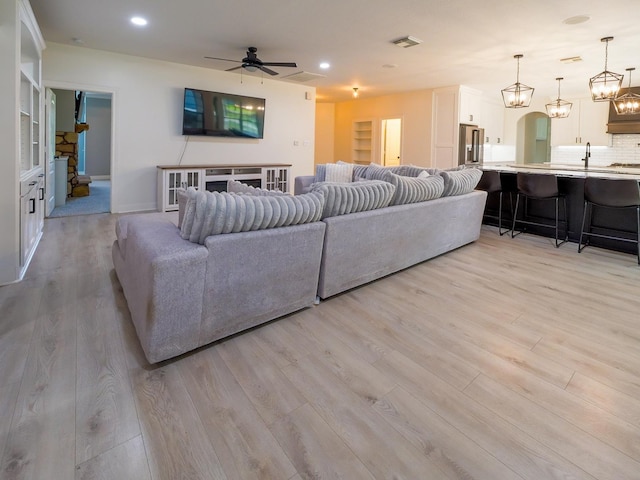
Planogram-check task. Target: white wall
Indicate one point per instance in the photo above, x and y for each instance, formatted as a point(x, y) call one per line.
point(98, 137)
point(65, 110)
point(325, 132)
point(147, 117)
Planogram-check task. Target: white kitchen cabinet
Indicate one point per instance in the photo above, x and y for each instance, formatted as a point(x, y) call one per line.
point(32, 206)
point(471, 107)
point(587, 122)
point(493, 122)
point(21, 115)
point(445, 128)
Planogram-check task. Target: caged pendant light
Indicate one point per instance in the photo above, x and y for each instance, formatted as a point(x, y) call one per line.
point(605, 86)
point(517, 95)
point(628, 103)
point(559, 108)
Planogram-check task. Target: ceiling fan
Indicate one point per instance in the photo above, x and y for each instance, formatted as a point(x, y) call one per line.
point(252, 63)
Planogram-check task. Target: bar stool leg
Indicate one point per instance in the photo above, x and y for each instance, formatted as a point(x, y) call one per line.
point(638, 231)
point(515, 216)
point(584, 217)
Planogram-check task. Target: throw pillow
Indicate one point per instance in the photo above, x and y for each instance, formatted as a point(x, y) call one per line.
point(344, 198)
point(460, 181)
point(213, 213)
point(339, 172)
point(376, 172)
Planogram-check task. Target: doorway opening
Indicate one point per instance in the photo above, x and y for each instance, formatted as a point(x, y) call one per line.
point(533, 143)
point(391, 142)
point(82, 151)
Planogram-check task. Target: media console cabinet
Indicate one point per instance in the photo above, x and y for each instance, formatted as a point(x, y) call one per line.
point(214, 179)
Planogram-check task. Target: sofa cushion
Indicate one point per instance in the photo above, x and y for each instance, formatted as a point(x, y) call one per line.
point(182, 204)
point(408, 189)
point(415, 189)
point(344, 198)
point(213, 213)
point(339, 172)
point(233, 186)
point(359, 171)
point(461, 181)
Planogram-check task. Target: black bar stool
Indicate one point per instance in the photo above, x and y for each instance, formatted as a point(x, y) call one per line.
point(490, 182)
point(610, 193)
point(533, 186)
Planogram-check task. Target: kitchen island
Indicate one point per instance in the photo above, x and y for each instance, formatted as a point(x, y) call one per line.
point(571, 184)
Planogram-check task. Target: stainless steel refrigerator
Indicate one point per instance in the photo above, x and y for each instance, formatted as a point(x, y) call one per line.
point(471, 145)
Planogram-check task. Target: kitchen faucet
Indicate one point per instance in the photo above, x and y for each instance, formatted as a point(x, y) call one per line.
point(587, 154)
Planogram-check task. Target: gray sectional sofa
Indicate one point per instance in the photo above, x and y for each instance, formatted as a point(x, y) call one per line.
point(212, 277)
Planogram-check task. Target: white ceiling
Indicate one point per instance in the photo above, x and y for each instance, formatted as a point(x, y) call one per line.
point(465, 42)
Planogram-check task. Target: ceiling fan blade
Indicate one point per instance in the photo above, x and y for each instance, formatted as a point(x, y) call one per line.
point(223, 59)
point(267, 70)
point(280, 64)
point(234, 68)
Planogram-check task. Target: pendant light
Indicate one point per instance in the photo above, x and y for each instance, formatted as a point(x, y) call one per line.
point(628, 103)
point(355, 92)
point(605, 86)
point(517, 95)
point(559, 108)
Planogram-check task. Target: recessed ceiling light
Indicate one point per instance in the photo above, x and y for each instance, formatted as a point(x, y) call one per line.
point(576, 20)
point(325, 65)
point(139, 21)
point(389, 65)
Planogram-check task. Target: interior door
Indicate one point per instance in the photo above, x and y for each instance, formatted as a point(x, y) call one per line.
point(391, 141)
point(50, 150)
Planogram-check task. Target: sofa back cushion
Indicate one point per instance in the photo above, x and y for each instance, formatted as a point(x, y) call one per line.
point(234, 186)
point(213, 213)
point(461, 181)
point(408, 189)
point(344, 198)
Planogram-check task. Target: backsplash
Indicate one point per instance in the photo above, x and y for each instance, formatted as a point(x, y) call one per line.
point(625, 148)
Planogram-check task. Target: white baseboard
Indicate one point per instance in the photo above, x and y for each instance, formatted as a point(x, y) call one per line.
point(100, 177)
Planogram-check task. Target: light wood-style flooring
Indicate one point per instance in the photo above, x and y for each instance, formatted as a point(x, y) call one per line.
point(505, 359)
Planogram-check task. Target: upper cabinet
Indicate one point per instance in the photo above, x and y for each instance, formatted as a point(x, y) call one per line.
point(586, 123)
point(479, 109)
point(452, 106)
point(471, 109)
point(31, 99)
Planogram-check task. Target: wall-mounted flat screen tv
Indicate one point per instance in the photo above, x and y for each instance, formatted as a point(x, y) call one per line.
point(222, 114)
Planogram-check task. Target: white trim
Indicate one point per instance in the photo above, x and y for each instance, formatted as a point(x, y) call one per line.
point(114, 133)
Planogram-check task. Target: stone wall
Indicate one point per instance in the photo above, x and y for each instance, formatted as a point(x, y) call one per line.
point(67, 146)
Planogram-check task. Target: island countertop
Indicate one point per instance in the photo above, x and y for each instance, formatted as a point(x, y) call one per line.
point(567, 170)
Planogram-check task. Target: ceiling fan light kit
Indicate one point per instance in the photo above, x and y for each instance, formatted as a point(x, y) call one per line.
point(252, 63)
point(517, 95)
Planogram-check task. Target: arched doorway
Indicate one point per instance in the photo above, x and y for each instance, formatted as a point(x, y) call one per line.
point(533, 138)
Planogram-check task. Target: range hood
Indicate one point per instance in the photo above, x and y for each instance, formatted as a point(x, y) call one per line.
point(623, 123)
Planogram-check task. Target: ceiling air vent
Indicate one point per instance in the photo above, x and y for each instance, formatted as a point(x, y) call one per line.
point(571, 59)
point(407, 42)
point(303, 77)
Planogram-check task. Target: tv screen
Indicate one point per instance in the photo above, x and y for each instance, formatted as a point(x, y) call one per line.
point(222, 114)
